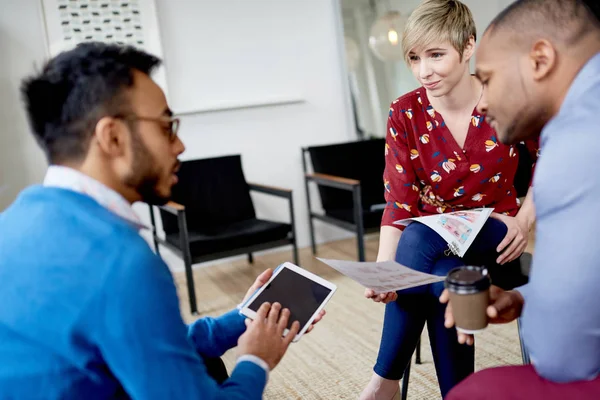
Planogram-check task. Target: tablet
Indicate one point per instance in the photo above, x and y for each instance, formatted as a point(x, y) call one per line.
point(302, 292)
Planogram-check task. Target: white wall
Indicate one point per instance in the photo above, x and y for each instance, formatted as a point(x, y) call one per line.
point(269, 139)
point(21, 47)
point(223, 40)
point(211, 36)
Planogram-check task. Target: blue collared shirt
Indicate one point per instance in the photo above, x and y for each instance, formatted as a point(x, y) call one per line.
point(59, 176)
point(561, 318)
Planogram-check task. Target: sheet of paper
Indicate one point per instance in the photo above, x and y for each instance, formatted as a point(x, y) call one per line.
point(388, 276)
point(458, 228)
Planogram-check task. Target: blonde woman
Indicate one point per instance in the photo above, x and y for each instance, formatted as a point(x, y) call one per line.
point(442, 156)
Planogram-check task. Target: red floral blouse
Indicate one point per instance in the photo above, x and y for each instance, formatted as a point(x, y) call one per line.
point(426, 171)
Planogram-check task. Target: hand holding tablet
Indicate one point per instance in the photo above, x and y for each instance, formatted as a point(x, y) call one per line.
point(264, 337)
point(303, 293)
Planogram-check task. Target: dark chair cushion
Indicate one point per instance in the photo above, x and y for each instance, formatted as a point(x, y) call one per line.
point(361, 160)
point(526, 260)
point(214, 192)
point(232, 236)
point(371, 219)
point(507, 276)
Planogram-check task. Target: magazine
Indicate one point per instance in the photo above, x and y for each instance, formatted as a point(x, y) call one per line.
point(458, 228)
point(382, 277)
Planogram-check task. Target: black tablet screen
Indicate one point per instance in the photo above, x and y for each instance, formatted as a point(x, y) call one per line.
point(294, 291)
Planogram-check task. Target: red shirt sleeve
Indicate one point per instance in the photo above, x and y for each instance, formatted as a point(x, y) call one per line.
point(400, 181)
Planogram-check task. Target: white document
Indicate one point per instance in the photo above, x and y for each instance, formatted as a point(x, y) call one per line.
point(382, 277)
point(458, 228)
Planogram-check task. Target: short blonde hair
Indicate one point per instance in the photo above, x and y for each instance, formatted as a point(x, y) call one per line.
point(439, 20)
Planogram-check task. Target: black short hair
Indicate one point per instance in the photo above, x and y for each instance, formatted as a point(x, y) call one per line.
point(77, 88)
point(564, 20)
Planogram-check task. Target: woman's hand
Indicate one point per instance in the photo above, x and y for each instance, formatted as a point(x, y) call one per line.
point(389, 237)
point(381, 297)
point(515, 241)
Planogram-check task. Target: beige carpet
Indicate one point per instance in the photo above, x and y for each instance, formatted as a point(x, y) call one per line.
point(335, 361)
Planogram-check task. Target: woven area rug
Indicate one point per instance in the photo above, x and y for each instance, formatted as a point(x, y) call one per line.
point(335, 361)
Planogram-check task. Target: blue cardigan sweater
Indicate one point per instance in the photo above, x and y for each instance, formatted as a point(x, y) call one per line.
point(87, 310)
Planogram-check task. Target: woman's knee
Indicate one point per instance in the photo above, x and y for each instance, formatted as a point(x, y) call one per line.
point(417, 235)
point(419, 244)
point(493, 230)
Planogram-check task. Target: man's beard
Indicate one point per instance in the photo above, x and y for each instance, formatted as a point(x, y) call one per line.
point(143, 177)
point(527, 125)
point(529, 121)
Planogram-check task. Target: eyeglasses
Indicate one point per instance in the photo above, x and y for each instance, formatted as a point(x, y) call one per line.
point(169, 124)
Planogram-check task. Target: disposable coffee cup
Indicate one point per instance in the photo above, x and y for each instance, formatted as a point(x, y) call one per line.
point(469, 289)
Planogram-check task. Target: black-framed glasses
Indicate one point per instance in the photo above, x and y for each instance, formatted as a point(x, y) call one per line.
point(169, 124)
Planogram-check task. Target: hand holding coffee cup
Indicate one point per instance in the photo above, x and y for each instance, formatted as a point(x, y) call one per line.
point(469, 292)
point(505, 306)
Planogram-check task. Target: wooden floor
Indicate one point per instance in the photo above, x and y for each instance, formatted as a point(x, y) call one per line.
point(335, 361)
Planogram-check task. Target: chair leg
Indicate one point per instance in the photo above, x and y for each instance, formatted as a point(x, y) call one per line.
point(295, 251)
point(155, 240)
point(250, 258)
point(524, 352)
point(418, 356)
point(293, 223)
point(405, 378)
point(187, 261)
point(189, 279)
point(312, 235)
point(311, 225)
point(358, 222)
point(360, 236)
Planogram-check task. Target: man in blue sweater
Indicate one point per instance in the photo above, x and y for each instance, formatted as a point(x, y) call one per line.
point(87, 309)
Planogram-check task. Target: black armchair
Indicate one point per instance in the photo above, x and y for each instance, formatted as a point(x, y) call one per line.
point(212, 216)
point(349, 177)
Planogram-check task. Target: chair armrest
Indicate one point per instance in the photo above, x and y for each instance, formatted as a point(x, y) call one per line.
point(333, 181)
point(172, 207)
point(275, 191)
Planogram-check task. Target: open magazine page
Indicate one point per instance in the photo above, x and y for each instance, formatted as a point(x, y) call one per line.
point(458, 228)
point(382, 277)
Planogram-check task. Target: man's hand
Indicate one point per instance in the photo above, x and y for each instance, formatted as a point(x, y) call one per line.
point(261, 280)
point(505, 306)
point(264, 336)
point(515, 241)
point(382, 297)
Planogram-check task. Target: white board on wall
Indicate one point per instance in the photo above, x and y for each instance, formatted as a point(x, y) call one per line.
point(131, 22)
point(230, 54)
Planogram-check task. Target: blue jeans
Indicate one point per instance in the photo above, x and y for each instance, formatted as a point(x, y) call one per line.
point(422, 249)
